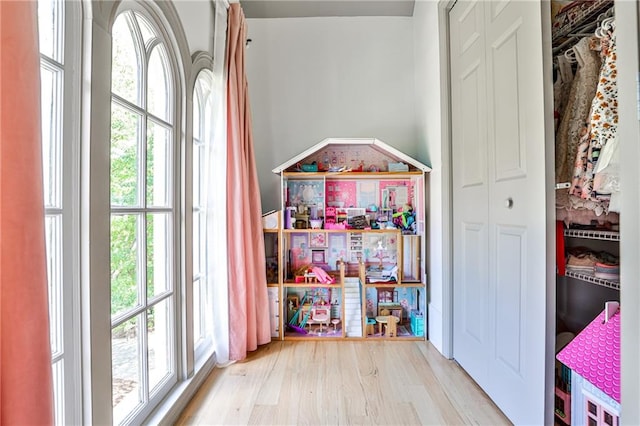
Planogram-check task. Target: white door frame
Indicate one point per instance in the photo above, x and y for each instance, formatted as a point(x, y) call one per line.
point(447, 185)
point(627, 24)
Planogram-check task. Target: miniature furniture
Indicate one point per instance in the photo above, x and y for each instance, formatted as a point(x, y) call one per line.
point(389, 322)
point(417, 323)
point(354, 181)
point(390, 308)
point(390, 328)
point(335, 323)
point(320, 315)
point(371, 322)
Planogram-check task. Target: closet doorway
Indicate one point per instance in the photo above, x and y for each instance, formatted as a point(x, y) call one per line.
point(501, 214)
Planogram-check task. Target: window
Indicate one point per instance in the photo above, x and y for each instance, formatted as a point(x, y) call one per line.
point(144, 217)
point(598, 414)
point(59, 58)
point(202, 139)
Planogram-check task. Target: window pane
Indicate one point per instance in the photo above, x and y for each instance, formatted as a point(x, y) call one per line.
point(158, 169)
point(196, 112)
point(608, 419)
point(51, 107)
point(592, 408)
point(158, 86)
point(126, 232)
point(159, 253)
point(58, 391)
point(145, 28)
point(125, 156)
point(160, 336)
point(208, 122)
point(125, 72)
point(197, 313)
point(197, 269)
point(198, 155)
point(53, 228)
point(126, 341)
point(50, 27)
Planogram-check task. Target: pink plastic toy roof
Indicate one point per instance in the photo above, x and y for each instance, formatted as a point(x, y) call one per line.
point(595, 354)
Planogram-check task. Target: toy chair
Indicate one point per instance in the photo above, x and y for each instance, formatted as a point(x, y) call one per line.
point(371, 322)
point(320, 314)
point(390, 326)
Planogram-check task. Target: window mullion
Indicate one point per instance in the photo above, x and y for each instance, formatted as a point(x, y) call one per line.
point(127, 104)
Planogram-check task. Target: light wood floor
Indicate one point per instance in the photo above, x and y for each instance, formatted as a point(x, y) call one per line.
point(342, 382)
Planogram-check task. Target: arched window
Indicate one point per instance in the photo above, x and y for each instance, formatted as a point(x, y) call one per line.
point(202, 140)
point(145, 215)
point(59, 32)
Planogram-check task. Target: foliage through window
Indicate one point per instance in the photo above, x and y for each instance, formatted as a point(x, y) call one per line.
point(143, 217)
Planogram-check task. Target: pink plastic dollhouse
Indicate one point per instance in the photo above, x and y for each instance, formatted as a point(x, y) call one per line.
point(594, 359)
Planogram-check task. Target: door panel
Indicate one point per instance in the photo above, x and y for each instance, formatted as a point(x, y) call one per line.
point(470, 189)
point(511, 254)
point(475, 271)
point(506, 108)
point(474, 171)
point(499, 206)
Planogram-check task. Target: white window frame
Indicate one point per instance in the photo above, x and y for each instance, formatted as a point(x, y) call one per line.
point(67, 409)
point(175, 294)
point(95, 208)
point(202, 348)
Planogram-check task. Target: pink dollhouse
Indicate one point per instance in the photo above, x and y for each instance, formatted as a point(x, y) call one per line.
point(594, 359)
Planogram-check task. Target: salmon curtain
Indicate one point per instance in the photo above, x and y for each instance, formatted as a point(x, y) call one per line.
point(248, 301)
point(26, 390)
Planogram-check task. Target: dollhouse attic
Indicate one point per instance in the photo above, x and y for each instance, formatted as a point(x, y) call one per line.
point(594, 359)
point(351, 154)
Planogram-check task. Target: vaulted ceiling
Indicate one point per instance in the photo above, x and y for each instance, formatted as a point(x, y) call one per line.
point(315, 8)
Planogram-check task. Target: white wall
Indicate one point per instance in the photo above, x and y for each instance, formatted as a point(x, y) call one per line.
point(313, 78)
point(197, 21)
point(428, 83)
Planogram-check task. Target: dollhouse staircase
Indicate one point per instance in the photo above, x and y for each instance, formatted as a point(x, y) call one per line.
point(352, 307)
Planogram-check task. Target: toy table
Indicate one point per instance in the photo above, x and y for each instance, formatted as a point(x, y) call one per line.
point(394, 308)
point(383, 320)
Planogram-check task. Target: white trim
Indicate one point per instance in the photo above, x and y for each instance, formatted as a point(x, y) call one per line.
point(170, 410)
point(627, 15)
point(202, 64)
point(352, 141)
point(444, 7)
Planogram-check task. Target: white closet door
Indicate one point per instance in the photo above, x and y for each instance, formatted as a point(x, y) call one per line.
point(499, 202)
point(470, 189)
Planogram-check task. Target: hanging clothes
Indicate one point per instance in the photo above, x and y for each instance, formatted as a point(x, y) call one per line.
point(562, 87)
point(574, 119)
point(603, 125)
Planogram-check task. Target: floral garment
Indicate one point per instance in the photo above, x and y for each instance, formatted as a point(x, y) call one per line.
point(603, 125)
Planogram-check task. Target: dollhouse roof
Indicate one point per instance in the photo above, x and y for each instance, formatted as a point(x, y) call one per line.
point(381, 149)
point(595, 354)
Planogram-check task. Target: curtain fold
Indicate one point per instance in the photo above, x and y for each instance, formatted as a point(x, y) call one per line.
point(26, 390)
point(248, 299)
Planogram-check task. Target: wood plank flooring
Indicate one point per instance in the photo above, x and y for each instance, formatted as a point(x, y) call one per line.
point(342, 382)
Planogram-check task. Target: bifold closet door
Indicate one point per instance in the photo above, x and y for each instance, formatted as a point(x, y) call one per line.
point(499, 207)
